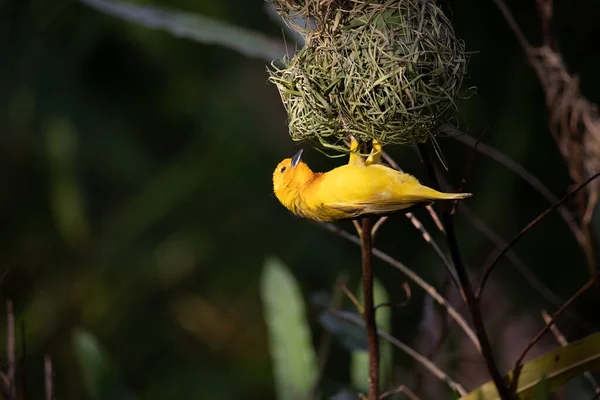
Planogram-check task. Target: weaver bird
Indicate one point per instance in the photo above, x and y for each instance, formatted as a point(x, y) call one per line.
point(360, 188)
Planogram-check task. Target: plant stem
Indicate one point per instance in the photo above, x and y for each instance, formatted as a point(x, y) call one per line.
point(409, 351)
point(467, 289)
point(369, 309)
point(430, 290)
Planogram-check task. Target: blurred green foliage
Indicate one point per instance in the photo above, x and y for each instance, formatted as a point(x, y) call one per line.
point(136, 200)
point(102, 379)
point(295, 368)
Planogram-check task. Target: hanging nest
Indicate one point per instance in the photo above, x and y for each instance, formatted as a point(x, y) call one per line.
point(385, 70)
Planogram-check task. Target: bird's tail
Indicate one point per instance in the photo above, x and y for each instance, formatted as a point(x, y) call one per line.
point(453, 196)
point(426, 193)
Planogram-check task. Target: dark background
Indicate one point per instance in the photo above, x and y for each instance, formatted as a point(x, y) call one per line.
point(136, 198)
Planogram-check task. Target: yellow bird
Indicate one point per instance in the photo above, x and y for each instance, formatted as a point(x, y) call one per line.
point(360, 188)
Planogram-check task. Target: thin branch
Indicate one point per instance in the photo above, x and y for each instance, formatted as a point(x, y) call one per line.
point(48, 378)
point(545, 11)
point(430, 366)
point(5, 387)
point(369, 310)
point(468, 169)
point(357, 227)
point(512, 24)
point(512, 256)
point(562, 340)
point(430, 290)
point(518, 263)
point(490, 268)
point(519, 362)
point(400, 389)
point(427, 237)
point(391, 305)
point(353, 299)
point(527, 274)
point(528, 177)
point(467, 289)
point(407, 292)
point(377, 225)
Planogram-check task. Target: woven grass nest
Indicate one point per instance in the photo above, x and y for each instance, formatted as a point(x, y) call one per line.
point(388, 70)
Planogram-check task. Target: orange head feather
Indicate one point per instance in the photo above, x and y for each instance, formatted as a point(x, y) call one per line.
point(289, 176)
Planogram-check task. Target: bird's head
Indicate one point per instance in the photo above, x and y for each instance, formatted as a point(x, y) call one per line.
point(289, 175)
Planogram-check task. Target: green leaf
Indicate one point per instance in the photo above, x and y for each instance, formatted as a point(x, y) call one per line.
point(542, 390)
point(195, 27)
point(100, 376)
point(551, 370)
point(290, 343)
point(359, 364)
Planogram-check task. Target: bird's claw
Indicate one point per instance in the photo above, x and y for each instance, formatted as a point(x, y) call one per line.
point(355, 157)
point(375, 156)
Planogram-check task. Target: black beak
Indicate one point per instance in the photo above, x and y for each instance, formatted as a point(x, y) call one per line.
point(297, 157)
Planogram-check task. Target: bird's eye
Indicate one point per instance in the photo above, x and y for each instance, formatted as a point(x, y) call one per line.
point(283, 169)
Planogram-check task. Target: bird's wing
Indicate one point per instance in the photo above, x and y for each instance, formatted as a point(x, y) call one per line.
point(359, 209)
point(351, 211)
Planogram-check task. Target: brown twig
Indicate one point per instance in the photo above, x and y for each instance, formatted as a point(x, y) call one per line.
point(519, 362)
point(5, 387)
point(518, 263)
point(408, 294)
point(490, 267)
point(430, 366)
point(499, 242)
point(369, 310)
point(353, 299)
point(428, 239)
point(468, 169)
point(48, 378)
point(377, 225)
point(521, 267)
point(357, 227)
point(545, 11)
point(466, 288)
point(430, 290)
point(400, 389)
point(512, 24)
